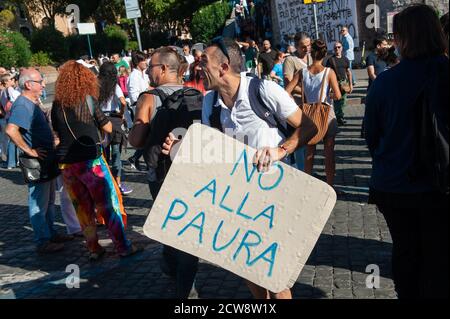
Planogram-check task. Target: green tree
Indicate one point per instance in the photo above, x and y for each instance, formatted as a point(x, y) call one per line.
point(7, 18)
point(163, 15)
point(14, 49)
point(22, 48)
point(117, 39)
point(209, 21)
point(50, 40)
point(8, 57)
point(49, 9)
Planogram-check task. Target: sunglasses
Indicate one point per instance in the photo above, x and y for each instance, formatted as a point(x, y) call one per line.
point(338, 47)
point(219, 42)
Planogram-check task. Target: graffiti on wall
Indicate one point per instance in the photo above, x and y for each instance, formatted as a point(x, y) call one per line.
point(294, 16)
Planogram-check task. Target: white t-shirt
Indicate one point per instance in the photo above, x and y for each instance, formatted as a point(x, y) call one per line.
point(138, 82)
point(242, 121)
point(113, 104)
point(190, 59)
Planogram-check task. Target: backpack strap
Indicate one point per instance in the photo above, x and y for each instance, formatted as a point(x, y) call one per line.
point(302, 85)
point(262, 110)
point(323, 84)
point(214, 118)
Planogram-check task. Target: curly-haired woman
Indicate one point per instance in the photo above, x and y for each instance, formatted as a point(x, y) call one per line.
point(76, 118)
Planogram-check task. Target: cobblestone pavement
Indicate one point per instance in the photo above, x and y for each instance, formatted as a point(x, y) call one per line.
point(354, 237)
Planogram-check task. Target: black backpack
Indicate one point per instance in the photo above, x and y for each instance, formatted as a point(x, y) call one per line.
point(178, 110)
point(431, 153)
point(259, 108)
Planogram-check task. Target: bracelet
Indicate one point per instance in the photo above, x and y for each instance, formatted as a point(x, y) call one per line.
point(285, 149)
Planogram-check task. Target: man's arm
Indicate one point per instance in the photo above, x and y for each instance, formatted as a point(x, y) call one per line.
point(123, 105)
point(13, 131)
point(371, 72)
point(292, 85)
point(288, 72)
point(139, 131)
point(304, 132)
point(372, 122)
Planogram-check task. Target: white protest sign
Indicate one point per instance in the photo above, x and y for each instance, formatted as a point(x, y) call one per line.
point(295, 16)
point(86, 28)
point(215, 205)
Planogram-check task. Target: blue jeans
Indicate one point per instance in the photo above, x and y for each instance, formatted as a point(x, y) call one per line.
point(12, 154)
point(300, 158)
point(41, 208)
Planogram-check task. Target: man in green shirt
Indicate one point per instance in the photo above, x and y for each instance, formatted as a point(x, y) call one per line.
point(118, 61)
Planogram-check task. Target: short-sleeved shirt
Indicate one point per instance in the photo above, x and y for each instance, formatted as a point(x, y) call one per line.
point(250, 56)
point(242, 121)
point(113, 104)
point(32, 122)
point(137, 83)
point(122, 62)
point(267, 60)
point(339, 65)
point(85, 129)
point(348, 46)
point(293, 64)
point(378, 64)
point(278, 69)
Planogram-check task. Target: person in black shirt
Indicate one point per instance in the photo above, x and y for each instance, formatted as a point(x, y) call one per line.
point(406, 176)
point(76, 119)
point(266, 60)
point(341, 65)
point(374, 62)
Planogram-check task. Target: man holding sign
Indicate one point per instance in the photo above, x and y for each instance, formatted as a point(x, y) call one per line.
point(255, 110)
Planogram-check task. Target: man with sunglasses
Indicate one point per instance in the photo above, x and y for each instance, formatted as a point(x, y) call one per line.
point(221, 63)
point(348, 46)
point(164, 74)
point(341, 66)
point(29, 130)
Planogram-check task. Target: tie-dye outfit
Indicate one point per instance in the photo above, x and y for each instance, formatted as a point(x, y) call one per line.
point(91, 186)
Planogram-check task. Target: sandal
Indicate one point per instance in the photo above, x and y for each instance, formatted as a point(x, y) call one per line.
point(94, 256)
point(131, 251)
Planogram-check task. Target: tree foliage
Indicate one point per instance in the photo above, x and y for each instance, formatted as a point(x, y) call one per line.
point(14, 49)
point(209, 21)
point(48, 9)
point(50, 40)
point(7, 18)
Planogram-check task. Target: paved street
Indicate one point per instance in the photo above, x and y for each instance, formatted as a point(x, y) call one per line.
point(354, 237)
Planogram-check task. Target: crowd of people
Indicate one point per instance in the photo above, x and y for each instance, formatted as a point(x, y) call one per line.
point(99, 108)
